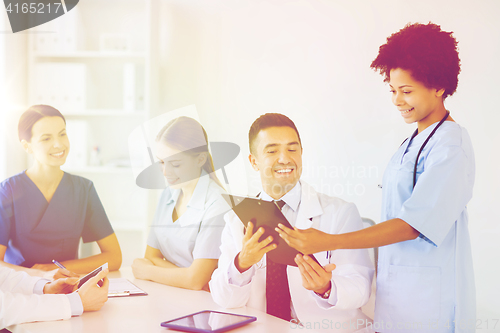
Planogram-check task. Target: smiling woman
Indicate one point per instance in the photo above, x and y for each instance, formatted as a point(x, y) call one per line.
point(183, 244)
point(44, 211)
point(425, 274)
point(416, 102)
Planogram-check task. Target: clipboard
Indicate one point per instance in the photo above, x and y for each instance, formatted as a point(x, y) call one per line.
point(121, 287)
point(265, 214)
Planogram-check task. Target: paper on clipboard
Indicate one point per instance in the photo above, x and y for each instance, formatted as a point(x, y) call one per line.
point(266, 215)
point(121, 287)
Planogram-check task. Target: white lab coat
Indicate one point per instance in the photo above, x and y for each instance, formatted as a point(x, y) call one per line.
point(351, 278)
point(19, 305)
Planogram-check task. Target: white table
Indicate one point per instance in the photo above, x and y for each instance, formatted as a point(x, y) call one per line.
point(145, 313)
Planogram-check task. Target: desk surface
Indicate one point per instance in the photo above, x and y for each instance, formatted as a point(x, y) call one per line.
point(145, 313)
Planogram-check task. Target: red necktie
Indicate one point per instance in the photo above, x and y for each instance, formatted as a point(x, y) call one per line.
point(277, 291)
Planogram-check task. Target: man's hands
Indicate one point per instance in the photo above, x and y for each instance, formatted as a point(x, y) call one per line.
point(56, 274)
point(64, 282)
point(93, 297)
point(51, 271)
point(61, 286)
point(306, 241)
point(314, 277)
point(253, 250)
point(64, 273)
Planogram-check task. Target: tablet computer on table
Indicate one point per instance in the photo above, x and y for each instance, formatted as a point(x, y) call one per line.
point(92, 274)
point(208, 322)
point(265, 214)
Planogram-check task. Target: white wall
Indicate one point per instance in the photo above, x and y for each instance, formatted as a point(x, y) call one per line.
point(12, 97)
point(310, 60)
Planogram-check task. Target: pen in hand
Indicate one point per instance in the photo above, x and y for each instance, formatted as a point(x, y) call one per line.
point(60, 273)
point(58, 264)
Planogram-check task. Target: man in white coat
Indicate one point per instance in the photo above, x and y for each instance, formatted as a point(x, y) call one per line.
point(312, 296)
point(25, 298)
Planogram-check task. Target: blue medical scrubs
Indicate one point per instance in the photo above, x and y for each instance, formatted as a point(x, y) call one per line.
point(427, 284)
point(35, 231)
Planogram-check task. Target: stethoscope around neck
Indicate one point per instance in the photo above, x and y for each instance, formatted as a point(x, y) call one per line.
point(423, 145)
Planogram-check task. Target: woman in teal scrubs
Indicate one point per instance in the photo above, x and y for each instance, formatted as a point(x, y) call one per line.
point(44, 211)
point(425, 280)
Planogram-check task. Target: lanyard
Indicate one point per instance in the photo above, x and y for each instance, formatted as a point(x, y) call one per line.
point(423, 145)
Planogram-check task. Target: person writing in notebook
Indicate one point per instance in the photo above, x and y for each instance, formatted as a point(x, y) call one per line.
point(334, 290)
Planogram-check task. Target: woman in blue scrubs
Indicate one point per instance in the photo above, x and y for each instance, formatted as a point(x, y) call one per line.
point(425, 279)
point(184, 242)
point(44, 211)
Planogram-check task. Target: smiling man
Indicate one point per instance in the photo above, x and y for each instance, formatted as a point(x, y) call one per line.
point(330, 293)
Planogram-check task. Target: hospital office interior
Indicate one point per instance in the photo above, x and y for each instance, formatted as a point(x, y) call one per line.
point(112, 66)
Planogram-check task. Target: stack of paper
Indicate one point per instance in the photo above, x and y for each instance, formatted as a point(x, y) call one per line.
point(123, 287)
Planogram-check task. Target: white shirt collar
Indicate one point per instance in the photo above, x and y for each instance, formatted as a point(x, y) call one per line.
point(291, 198)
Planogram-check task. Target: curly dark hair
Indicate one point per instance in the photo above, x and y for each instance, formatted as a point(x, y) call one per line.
point(430, 54)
